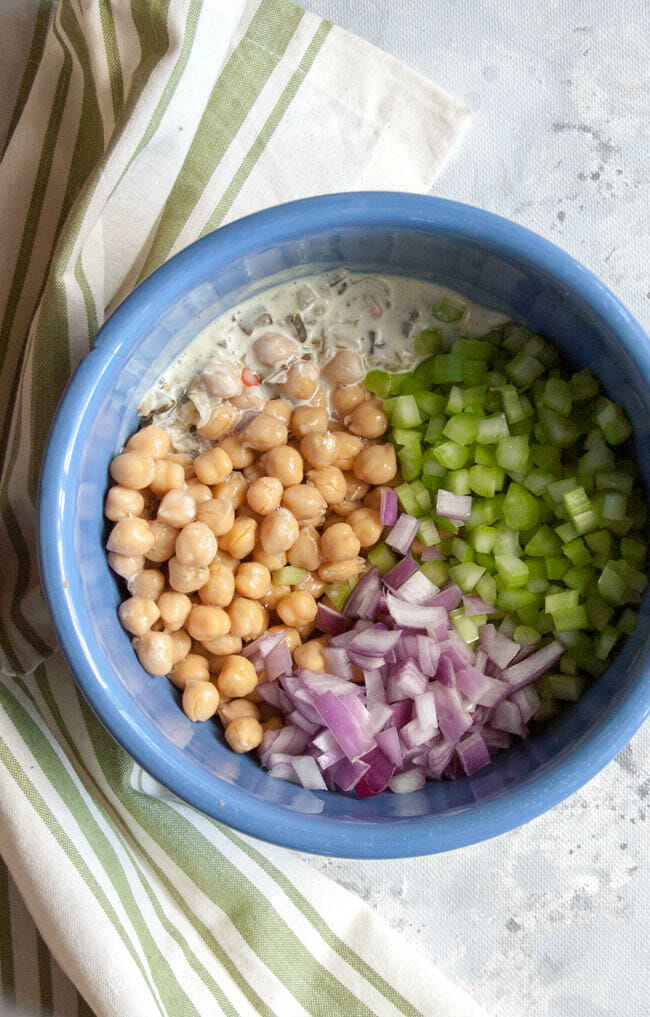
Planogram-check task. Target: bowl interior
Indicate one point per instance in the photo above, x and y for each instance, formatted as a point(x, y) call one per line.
point(99, 413)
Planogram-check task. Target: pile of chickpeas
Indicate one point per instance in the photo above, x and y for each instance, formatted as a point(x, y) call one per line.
point(200, 541)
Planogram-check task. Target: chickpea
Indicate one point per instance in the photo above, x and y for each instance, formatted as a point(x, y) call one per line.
point(329, 482)
point(237, 678)
point(347, 398)
point(239, 541)
point(149, 441)
point(320, 398)
point(196, 544)
point(223, 558)
point(222, 646)
point(174, 609)
point(148, 583)
point(200, 700)
point(307, 419)
point(233, 490)
point(279, 531)
point(265, 432)
point(125, 565)
point(290, 635)
point(132, 470)
point(206, 622)
point(254, 472)
point(213, 466)
point(339, 571)
point(164, 541)
point(138, 614)
point(366, 525)
point(253, 580)
point(167, 476)
point(310, 656)
point(244, 734)
point(186, 578)
point(237, 708)
point(219, 589)
point(345, 368)
point(297, 608)
point(184, 460)
point(339, 542)
point(312, 584)
point(264, 495)
point(122, 502)
point(192, 668)
point(222, 378)
point(319, 448)
point(177, 508)
point(240, 454)
point(247, 618)
point(181, 644)
point(285, 464)
point(274, 723)
point(251, 398)
point(278, 408)
point(305, 553)
point(218, 514)
point(376, 464)
point(272, 561)
point(271, 600)
point(274, 348)
point(222, 421)
point(368, 420)
point(155, 652)
point(131, 537)
point(345, 507)
point(302, 380)
point(304, 501)
point(349, 446)
point(200, 492)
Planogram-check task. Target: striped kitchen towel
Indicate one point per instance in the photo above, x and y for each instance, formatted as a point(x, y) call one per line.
point(139, 125)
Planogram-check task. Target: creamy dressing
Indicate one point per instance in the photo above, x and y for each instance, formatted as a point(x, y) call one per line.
point(376, 316)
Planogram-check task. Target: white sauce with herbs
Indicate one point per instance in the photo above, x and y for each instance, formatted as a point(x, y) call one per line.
point(376, 316)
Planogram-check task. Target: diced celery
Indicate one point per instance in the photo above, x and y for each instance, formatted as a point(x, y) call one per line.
point(524, 369)
point(520, 508)
point(486, 588)
point(606, 642)
point(627, 621)
point(447, 309)
point(517, 600)
point(466, 627)
point(600, 543)
point(338, 593)
point(474, 372)
point(584, 386)
point(451, 455)
point(506, 540)
point(599, 612)
point(421, 495)
point(611, 586)
point(548, 709)
point(567, 687)
point(378, 382)
point(288, 575)
point(548, 458)
point(613, 422)
point(566, 532)
point(536, 481)
point(556, 567)
point(447, 369)
point(511, 405)
point(428, 403)
point(574, 618)
point(557, 602)
point(614, 505)
point(457, 481)
point(525, 635)
point(568, 664)
point(427, 342)
point(435, 428)
point(485, 455)
point(492, 429)
point(425, 372)
point(407, 500)
point(402, 436)
point(486, 560)
point(455, 403)
point(561, 431)
point(576, 500)
point(557, 396)
point(482, 538)
point(436, 571)
point(512, 570)
point(405, 412)
point(409, 384)
point(461, 550)
point(544, 544)
point(483, 480)
point(614, 480)
point(428, 533)
point(580, 579)
point(634, 549)
point(410, 461)
point(474, 399)
point(466, 575)
point(576, 551)
point(462, 428)
point(513, 452)
point(382, 558)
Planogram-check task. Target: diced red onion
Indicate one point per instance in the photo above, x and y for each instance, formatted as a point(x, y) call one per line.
point(508, 718)
point(432, 554)
point(337, 660)
point(284, 771)
point(476, 605)
point(495, 739)
point(278, 661)
point(388, 507)
point(296, 717)
point(417, 589)
point(375, 687)
point(529, 670)
point(481, 658)
point(380, 715)
point(365, 597)
point(270, 693)
point(409, 780)
point(445, 672)
point(406, 682)
point(400, 573)
point(403, 533)
point(478, 687)
point(440, 753)
point(346, 728)
point(414, 734)
point(415, 616)
point(347, 774)
point(499, 647)
point(453, 718)
point(425, 709)
point(308, 773)
point(389, 743)
point(528, 702)
point(374, 643)
point(428, 655)
point(330, 621)
point(263, 644)
point(449, 597)
point(402, 712)
point(375, 779)
point(453, 506)
point(472, 753)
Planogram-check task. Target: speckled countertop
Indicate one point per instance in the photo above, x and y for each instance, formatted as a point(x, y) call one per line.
point(553, 919)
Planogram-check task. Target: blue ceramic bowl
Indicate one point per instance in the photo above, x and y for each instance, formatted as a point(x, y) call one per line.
point(490, 260)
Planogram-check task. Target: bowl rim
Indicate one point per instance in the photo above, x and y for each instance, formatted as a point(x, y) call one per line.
point(411, 836)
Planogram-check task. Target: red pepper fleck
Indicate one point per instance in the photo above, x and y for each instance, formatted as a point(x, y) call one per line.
point(249, 377)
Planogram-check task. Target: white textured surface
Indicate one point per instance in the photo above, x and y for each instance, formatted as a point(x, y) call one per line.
point(553, 919)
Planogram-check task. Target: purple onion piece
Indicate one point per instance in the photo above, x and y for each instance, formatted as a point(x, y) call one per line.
point(453, 506)
point(472, 753)
point(400, 573)
point(403, 533)
point(332, 622)
point(388, 507)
